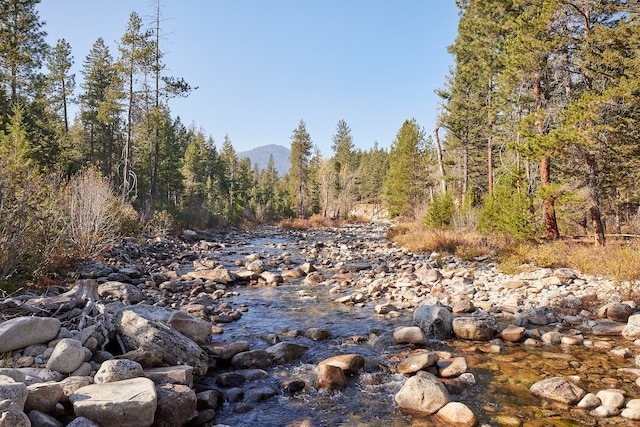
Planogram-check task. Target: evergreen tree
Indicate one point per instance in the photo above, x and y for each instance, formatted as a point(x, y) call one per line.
point(344, 163)
point(404, 183)
point(299, 157)
point(62, 84)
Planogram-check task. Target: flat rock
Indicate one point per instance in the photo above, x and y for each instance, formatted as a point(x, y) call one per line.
point(22, 332)
point(128, 403)
point(559, 389)
point(474, 328)
point(417, 362)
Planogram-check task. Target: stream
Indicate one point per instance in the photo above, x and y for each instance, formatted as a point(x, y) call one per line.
point(499, 397)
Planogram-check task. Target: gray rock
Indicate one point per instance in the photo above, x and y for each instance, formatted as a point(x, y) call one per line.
point(632, 330)
point(128, 403)
point(182, 374)
point(118, 370)
point(144, 326)
point(176, 405)
point(226, 350)
point(12, 416)
point(40, 419)
point(67, 356)
point(14, 392)
point(252, 359)
point(22, 332)
point(409, 335)
point(198, 330)
point(559, 389)
point(43, 397)
point(417, 362)
point(422, 394)
point(285, 352)
point(434, 321)
point(475, 328)
point(125, 292)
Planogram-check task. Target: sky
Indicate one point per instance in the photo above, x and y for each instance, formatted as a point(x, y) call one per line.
point(262, 66)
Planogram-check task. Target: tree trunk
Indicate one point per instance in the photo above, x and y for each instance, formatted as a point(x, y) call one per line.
point(443, 182)
point(593, 200)
point(548, 209)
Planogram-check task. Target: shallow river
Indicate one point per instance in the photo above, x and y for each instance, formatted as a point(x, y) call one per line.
point(500, 396)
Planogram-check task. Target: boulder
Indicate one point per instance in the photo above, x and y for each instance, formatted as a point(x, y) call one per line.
point(127, 403)
point(349, 363)
point(177, 404)
point(417, 362)
point(409, 335)
point(422, 394)
point(474, 328)
point(125, 292)
point(198, 330)
point(559, 389)
point(218, 274)
point(16, 393)
point(145, 326)
point(453, 367)
point(43, 396)
point(226, 350)
point(284, 352)
point(40, 419)
point(22, 332)
point(610, 397)
point(182, 374)
point(331, 377)
point(434, 321)
point(632, 329)
point(117, 370)
point(512, 333)
point(67, 356)
point(457, 414)
point(252, 359)
point(12, 416)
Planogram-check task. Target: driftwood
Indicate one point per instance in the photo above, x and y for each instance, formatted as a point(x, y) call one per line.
point(83, 294)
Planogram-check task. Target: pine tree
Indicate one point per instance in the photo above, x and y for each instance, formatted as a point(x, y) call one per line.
point(299, 157)
point(344, 163)
point(62, 84)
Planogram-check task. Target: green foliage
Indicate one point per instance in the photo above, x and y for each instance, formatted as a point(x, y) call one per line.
point(508, 209)
point(440, 212)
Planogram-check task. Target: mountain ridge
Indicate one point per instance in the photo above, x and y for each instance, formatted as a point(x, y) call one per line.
point(260, 156)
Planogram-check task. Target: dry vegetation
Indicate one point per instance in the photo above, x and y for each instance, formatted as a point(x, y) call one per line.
point(618, 261)
point(318, 221)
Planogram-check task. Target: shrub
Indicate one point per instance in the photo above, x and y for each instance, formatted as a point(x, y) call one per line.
point(94, 214)
point(161, 224)
point(440, 212)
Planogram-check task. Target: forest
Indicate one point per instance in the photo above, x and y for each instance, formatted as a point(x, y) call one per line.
point(537, 137)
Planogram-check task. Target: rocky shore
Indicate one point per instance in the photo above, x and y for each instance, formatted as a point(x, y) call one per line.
point(138, 339)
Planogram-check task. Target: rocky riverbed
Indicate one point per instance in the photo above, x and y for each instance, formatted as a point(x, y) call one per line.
point(313, 328)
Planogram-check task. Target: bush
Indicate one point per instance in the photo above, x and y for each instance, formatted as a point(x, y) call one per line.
point(440, 212)
point(94, 214)
point(161, 224)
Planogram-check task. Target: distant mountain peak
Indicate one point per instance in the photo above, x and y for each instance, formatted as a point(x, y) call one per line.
point(260, 156)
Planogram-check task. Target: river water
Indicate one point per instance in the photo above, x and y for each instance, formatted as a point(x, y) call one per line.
point(500, 396)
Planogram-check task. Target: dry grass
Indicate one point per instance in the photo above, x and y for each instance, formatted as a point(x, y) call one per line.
point(319, 221)
point(419, 239)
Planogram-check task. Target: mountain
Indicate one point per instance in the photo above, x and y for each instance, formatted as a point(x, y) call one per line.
point(260, 156)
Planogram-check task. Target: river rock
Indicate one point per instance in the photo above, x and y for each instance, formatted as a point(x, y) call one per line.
point(43, 397)
point(70, 384)
point(12, 416)
point(225, 350)
point(512, 333)
point(619, 312)
point(559, 389)
point(409, 335)
point(434, 321)
point(611, 397)
point(457, 414)
point(40, 419)
point(589, 401)
point(271, 278)
point(118, 370)
point(252, 359)
point(67, 356)
point(428, 275)
point(22, 332)
point(127, 403)
point(177, 404)
point(284, 352)
point(422, 394)
point(417, 362)
point(218, 274)
point(181, 374)
point(198, 330)
point(331, 377)
point(631, 413)
point(15, 392)
point(632, 330)
point(349, 363)
point(453, 367)
point(125, 292)
point(474, 328)
point(145, 326)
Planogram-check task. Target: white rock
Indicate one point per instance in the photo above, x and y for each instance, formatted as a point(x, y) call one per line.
point(67, 356)
point(25, 331)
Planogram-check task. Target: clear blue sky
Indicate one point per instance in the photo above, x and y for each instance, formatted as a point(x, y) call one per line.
point(262, 66)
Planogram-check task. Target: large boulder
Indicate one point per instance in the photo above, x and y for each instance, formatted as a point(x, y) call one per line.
point(14, 392)
point(22, 332)
point(475, 328)
point(67, 356)
point(632, 330)
point(422, 394)
point(559, 389)
point(145, 326)
point(177, 404)
point(117, 370)
point(128, 403)
point(125, 292)
point(434, 321)
point(190, 326)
